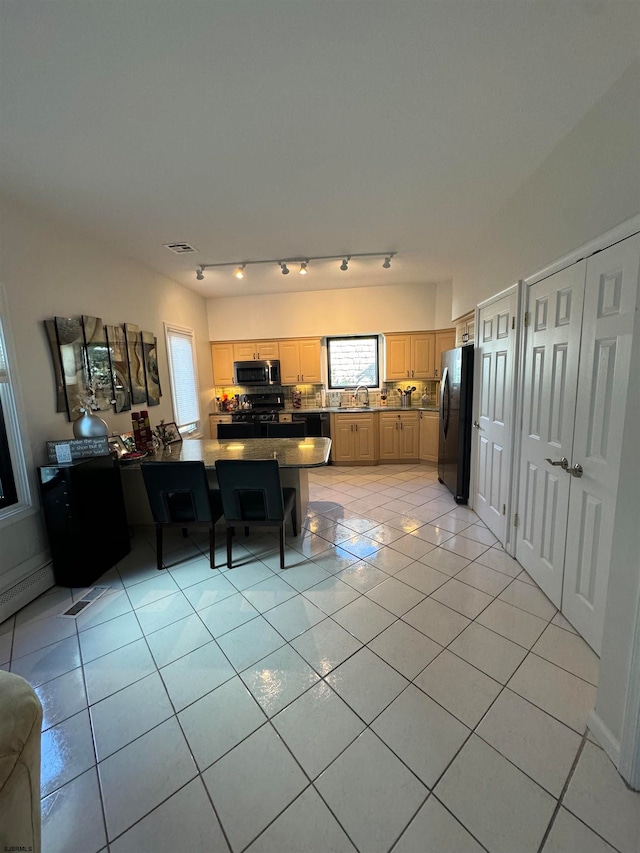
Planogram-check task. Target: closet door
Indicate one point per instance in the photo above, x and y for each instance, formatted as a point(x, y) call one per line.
point(611, 300)
point(552, 352)
point(494, 367)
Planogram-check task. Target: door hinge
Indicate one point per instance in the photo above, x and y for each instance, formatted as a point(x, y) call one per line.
point(516, 520)
point(504, 509)
point(526, 319)
point(513, 322)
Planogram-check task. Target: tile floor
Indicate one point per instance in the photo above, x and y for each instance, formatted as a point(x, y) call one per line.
point(402, 686)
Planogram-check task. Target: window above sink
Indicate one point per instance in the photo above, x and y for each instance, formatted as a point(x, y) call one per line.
point(353, 361)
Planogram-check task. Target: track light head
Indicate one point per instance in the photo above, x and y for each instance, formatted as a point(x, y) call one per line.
point(303, 268)
point(200, 274)
point(344, 266)
point(387, 263)
point(239, 272)
point(284, 268)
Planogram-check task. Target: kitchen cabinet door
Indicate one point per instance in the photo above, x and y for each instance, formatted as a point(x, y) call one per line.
point(409, 444)
point(465, 330)
point(289, 362)
point(342, 440)
point(300, 361)
point(244, 351)
point(399, 436)
point(255, 350)
point(389, 432)
point(423, 356)
point(397, 357)
point(429, 422)
point(365, 439)
point(267, 350)
point(353, 438)
point(445, 340)
point(310, 371)
point(222, 361)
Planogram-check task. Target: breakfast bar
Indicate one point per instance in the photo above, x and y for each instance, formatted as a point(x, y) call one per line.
point(294, 455)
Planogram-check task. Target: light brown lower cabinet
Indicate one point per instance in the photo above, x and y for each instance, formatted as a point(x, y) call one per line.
point(429, 427)
point(399, 436)
point(214, 420)
point(353, 439)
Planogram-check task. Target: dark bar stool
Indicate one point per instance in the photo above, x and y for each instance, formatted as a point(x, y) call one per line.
point(179, 495)
point(253, 496)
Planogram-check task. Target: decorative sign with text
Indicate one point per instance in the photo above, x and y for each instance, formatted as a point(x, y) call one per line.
point(77, 448)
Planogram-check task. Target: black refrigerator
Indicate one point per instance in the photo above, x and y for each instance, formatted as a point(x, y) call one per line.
point(456, 401)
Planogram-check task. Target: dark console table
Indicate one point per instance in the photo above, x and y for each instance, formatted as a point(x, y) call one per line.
point(84, 511)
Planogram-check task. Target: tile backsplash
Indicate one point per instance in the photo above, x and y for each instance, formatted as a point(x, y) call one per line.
point(310, 394)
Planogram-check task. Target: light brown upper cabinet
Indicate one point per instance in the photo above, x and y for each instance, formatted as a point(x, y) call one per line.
point(417, 355)
point(466, 329)
point(300, 361)
point(222, 361)
point(256, 351)
point(409, 356)
point(445, 340)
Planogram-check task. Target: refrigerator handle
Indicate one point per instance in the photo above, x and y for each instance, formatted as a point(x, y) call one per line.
point(445, 393)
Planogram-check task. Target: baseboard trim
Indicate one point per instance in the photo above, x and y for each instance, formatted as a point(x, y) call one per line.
point(605, 738)
point(34, 582)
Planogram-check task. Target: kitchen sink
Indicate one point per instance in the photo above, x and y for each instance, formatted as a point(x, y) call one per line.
point(354, 408)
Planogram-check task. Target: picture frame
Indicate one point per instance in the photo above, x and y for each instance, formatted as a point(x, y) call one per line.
point(128, 441)
point(117, 348)
point(172, 432)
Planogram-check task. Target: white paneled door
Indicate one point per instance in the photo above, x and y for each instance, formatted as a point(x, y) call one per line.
point(576, 373)
point(494, 367)
point(552, 351)
point(611, 300)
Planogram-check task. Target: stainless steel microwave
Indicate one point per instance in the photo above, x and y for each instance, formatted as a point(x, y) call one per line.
point(256, 372)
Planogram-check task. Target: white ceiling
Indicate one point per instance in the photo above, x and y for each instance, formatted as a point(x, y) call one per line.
point(276, 129)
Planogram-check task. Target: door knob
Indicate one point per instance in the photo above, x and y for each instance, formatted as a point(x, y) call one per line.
point(576, 471)
point(563, 462)
point(476, 425)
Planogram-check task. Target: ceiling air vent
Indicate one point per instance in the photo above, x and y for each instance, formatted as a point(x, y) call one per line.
point(180, 248)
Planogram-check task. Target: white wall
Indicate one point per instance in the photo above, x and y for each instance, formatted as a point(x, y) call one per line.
point(587, 185)
point(49, 271)
point(356, 310)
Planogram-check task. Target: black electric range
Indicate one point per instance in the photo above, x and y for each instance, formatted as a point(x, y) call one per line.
point(264, 409)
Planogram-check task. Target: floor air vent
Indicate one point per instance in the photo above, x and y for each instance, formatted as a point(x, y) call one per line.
point(88, 598)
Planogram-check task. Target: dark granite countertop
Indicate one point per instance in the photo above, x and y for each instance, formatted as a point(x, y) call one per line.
point(310, 452)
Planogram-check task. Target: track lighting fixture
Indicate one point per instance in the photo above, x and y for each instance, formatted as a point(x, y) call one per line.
point(303, 261)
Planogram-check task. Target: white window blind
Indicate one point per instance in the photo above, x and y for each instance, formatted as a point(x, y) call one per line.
point(184, 382)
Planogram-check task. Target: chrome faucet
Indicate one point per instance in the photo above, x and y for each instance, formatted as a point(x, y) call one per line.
point(357, 391)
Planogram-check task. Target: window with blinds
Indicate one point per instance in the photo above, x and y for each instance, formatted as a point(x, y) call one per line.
point(184, 377)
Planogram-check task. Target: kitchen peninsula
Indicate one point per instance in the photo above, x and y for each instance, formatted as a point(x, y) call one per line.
point(294, 455)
